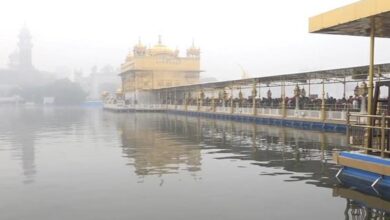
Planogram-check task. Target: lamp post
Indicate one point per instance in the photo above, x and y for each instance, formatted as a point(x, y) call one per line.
point(303, 92)
point(186, 100)
point(269, 96)
point(213, 102)
point(356, 93)
point(363, 91)
point(201, 97)
point(297, 93)
point(241, 97)
point(231, 101)
point(283, 100)
point(225, 97)
point(254, 94)
point(323, 113)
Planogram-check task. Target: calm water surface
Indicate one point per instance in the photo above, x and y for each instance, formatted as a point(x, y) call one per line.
point(74, 163)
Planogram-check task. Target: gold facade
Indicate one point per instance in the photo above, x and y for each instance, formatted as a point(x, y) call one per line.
point(159, 67)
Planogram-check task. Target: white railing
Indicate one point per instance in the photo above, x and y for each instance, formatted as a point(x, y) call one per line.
point(312, 114)
point(244, 111)
point(290, 113)
point(224, 110)
point(336, 115)
point(264, 111)
point(269, 111)
point(159, 106)
point(171, 107)
point(276, 111)
point(192, 108)
point(142, 107)
point(207, 109)
point(180, 107)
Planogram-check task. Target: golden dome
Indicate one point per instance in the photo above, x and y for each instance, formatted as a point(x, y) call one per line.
point(160, 48)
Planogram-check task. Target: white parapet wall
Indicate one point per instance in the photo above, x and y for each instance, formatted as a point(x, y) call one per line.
point(261, 112)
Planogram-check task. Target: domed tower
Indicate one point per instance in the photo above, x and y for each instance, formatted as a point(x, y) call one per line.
point(160, 49)
point(25, 49)
point(193, 51)
point(139, 49)
point(156, 67)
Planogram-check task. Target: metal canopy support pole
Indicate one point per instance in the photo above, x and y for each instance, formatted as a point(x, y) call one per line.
point(166, 98)
point(157, 98)
point(284, 99)
point(259, 104)
point(344, 93)
point(371, 70)
point(371, 83)
point(175, 99)
point(185, 100)
point(213, 101)
point(135, 90)
point(309, 89)
point(323, 115)
point(134, 97)
point(169, 97)
point(172, 97)
point(200, 103)
point(231, 100)
point(197, 101)
point(254, 98)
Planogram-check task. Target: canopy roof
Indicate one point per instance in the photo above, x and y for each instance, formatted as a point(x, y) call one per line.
point(354, 19)
point(331, 76)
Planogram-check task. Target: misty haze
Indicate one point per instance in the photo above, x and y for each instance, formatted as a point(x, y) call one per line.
point(194, 109)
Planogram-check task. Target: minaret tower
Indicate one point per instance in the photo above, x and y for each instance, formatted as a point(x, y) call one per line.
point(193, 51)
point(139, 49)
point(25, 49)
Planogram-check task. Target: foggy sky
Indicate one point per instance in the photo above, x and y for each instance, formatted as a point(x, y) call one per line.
point(265, 37)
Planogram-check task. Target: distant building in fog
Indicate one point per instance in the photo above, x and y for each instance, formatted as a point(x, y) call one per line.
point(22, 58)
point(21, 72)
point(98, 81)
point(157, 67)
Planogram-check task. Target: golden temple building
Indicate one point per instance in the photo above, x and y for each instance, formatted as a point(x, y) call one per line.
point(158, 67)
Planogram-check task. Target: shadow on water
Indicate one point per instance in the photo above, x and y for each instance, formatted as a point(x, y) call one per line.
point(159, 144)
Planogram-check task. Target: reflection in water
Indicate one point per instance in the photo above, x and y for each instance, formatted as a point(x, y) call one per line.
point(23, 127)
point(78, 161)
point(360, 206)
point(23, 145)
point(21, 132)
point(155, 150)
point(160, 144)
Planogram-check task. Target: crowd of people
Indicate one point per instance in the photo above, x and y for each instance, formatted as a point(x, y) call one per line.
point(306, 103)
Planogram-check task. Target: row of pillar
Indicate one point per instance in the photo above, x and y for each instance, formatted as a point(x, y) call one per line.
point(254, 95)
